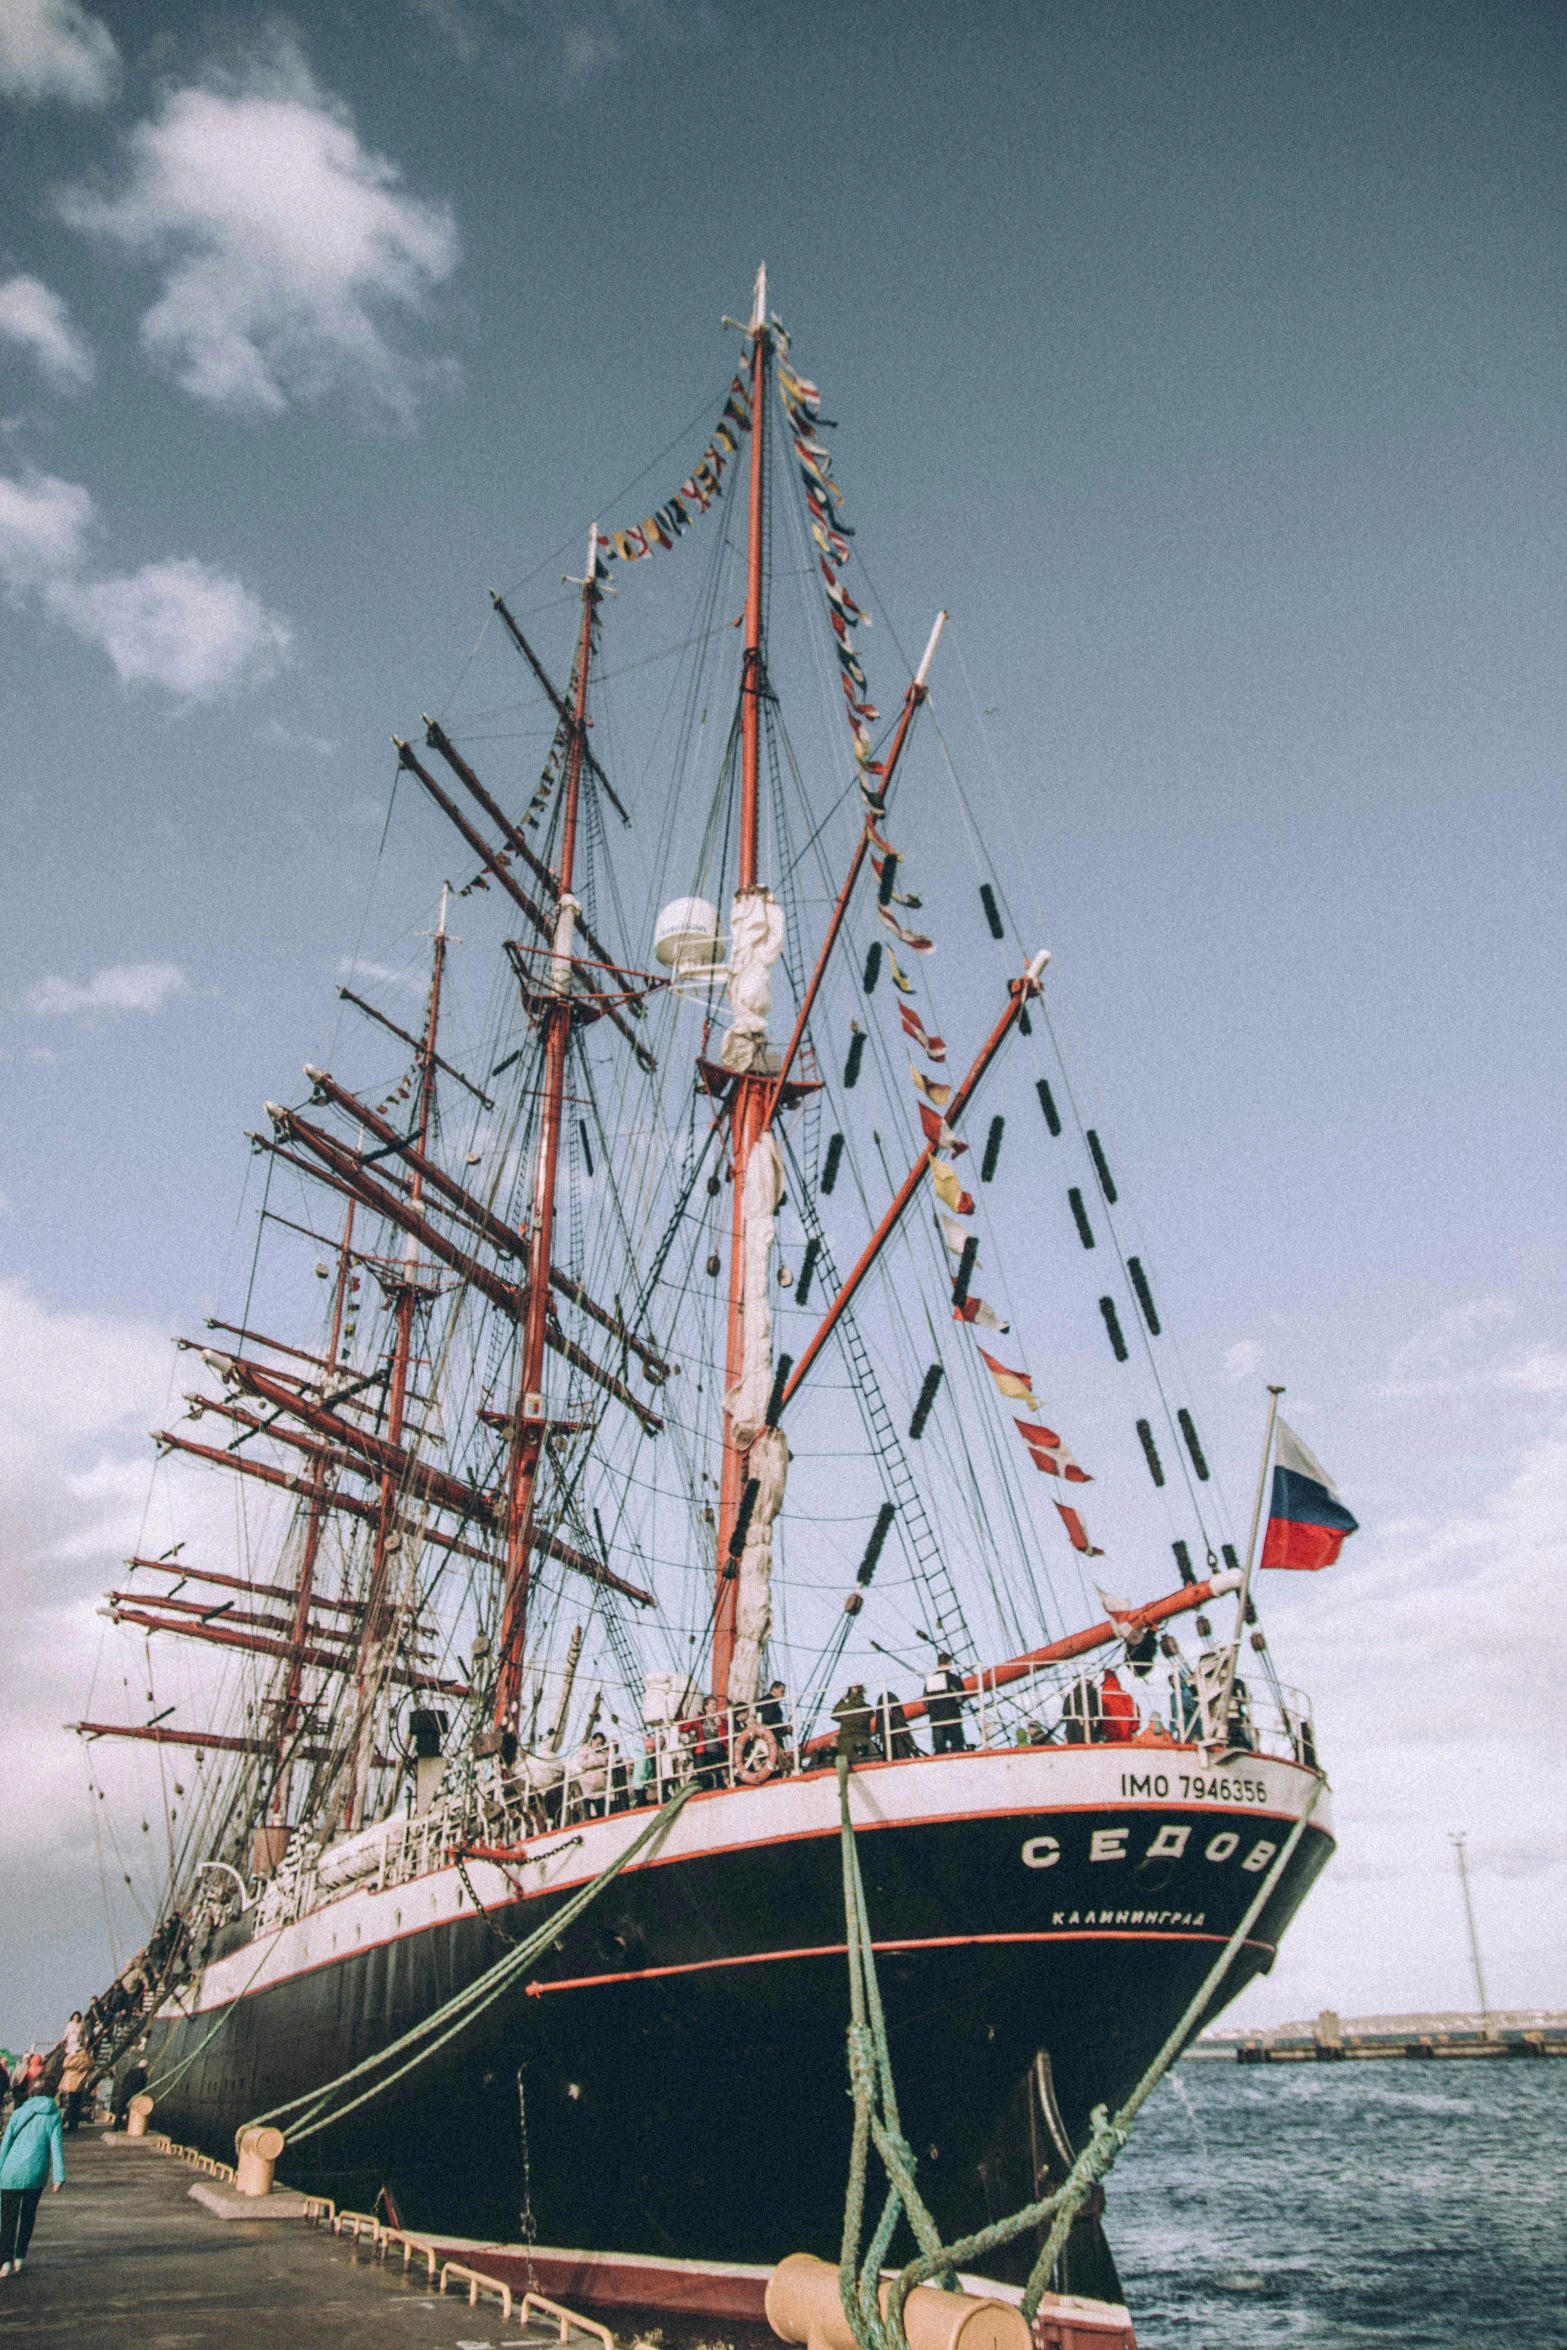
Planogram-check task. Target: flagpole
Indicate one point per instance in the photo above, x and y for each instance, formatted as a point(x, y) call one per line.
point(1243, 1596)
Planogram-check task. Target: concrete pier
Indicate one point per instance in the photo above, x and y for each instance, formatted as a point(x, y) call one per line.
point(125, 2255)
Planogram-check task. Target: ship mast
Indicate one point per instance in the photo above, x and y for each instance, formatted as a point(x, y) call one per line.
point(530, 1427)
point(750, 1099)
point(411, 1293)
point(289, 1714)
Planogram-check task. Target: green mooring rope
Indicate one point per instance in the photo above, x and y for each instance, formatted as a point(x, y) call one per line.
point(314, 2110)
point(166, 2081)
point(870, 2073)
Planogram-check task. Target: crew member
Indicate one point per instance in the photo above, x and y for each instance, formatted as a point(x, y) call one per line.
point(944, 1701)
point(894, 1738)
point(1118, 1710)
point(854, 1719)
point(773, 1714)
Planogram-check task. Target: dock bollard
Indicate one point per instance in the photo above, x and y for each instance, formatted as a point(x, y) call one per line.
point(259, 2148)
point(137, 2114)
point(803, 2306)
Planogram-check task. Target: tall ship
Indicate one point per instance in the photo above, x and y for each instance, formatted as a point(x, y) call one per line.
point(694, 1332)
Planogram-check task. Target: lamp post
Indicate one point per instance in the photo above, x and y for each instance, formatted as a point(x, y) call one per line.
point(1474, 1938)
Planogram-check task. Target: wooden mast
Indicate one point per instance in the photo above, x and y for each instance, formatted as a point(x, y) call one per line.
point(411, 1294)
point(530, 1426)
point(751, 1098)
point(288, 1721)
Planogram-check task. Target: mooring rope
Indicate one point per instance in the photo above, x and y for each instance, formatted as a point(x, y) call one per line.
point(870, 2074)
point(165, 2081)
point(314, 2109)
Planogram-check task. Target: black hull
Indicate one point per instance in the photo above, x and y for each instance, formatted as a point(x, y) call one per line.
point(679, 2059)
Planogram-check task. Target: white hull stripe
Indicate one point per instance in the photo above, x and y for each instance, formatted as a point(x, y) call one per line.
point(1041, 1785)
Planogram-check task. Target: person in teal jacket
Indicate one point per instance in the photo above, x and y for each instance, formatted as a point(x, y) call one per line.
point(31, 2150)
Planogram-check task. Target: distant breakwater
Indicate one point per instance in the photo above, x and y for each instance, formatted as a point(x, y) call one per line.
point(1331, 2040)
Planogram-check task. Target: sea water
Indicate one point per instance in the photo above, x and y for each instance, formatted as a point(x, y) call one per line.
point(1321, 2206)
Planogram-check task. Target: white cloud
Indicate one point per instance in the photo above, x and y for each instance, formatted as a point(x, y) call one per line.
point(294, 738)
point(540, 46)
point(179, 624)
point(1430, 1652)
point(34, 316)
point(43, 525)
point(1241, 1360)
point(120, 987)
point(75, 1390)
point(54, 49)
point(78, 1491)
point(411, 981)
point(1542, 1371)
point(287, 246)
point(176, 623)
point(587, 49)
point(1440, 1358)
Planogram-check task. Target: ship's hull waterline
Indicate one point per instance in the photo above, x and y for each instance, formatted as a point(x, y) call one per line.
point(676, 2062)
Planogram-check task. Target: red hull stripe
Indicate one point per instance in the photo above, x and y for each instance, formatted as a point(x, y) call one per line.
point(699, 1966)
point(589, 1865)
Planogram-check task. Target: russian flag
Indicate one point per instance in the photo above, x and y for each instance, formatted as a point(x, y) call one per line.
point(1307, 1522)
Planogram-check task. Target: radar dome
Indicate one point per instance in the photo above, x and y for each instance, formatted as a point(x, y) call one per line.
point(686, 934)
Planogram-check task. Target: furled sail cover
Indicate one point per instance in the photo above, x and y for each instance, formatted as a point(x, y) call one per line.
point(756, 936)
point(767, 1457)
point(768, 1463)
point(746, 1402)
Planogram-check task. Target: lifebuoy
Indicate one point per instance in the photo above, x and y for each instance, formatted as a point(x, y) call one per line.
point(756, 1755)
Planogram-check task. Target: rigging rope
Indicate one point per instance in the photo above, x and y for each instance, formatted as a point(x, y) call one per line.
point(870, 2081)
point(314, 2108)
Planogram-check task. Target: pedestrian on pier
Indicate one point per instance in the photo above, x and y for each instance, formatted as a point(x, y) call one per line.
point(130, 2084)
point(75, 2074)
point(31, 2152)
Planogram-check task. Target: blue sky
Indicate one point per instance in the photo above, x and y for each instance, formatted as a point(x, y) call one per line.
point(1206, 362)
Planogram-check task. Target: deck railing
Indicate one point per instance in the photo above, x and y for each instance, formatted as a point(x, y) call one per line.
point(541, 1796)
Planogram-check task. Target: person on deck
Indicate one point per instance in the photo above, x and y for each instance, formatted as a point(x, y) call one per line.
point(894, 1738)
point(1185, 1708)
point(1117, 1710)
point(588, 1772)
point(773, 1714)
point(712, 1754)
point(944, 1701)
point(644, 1776)
point(1238, 1729)
point(31, 2151)
point(855, 1722)
point(1080, 1722)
